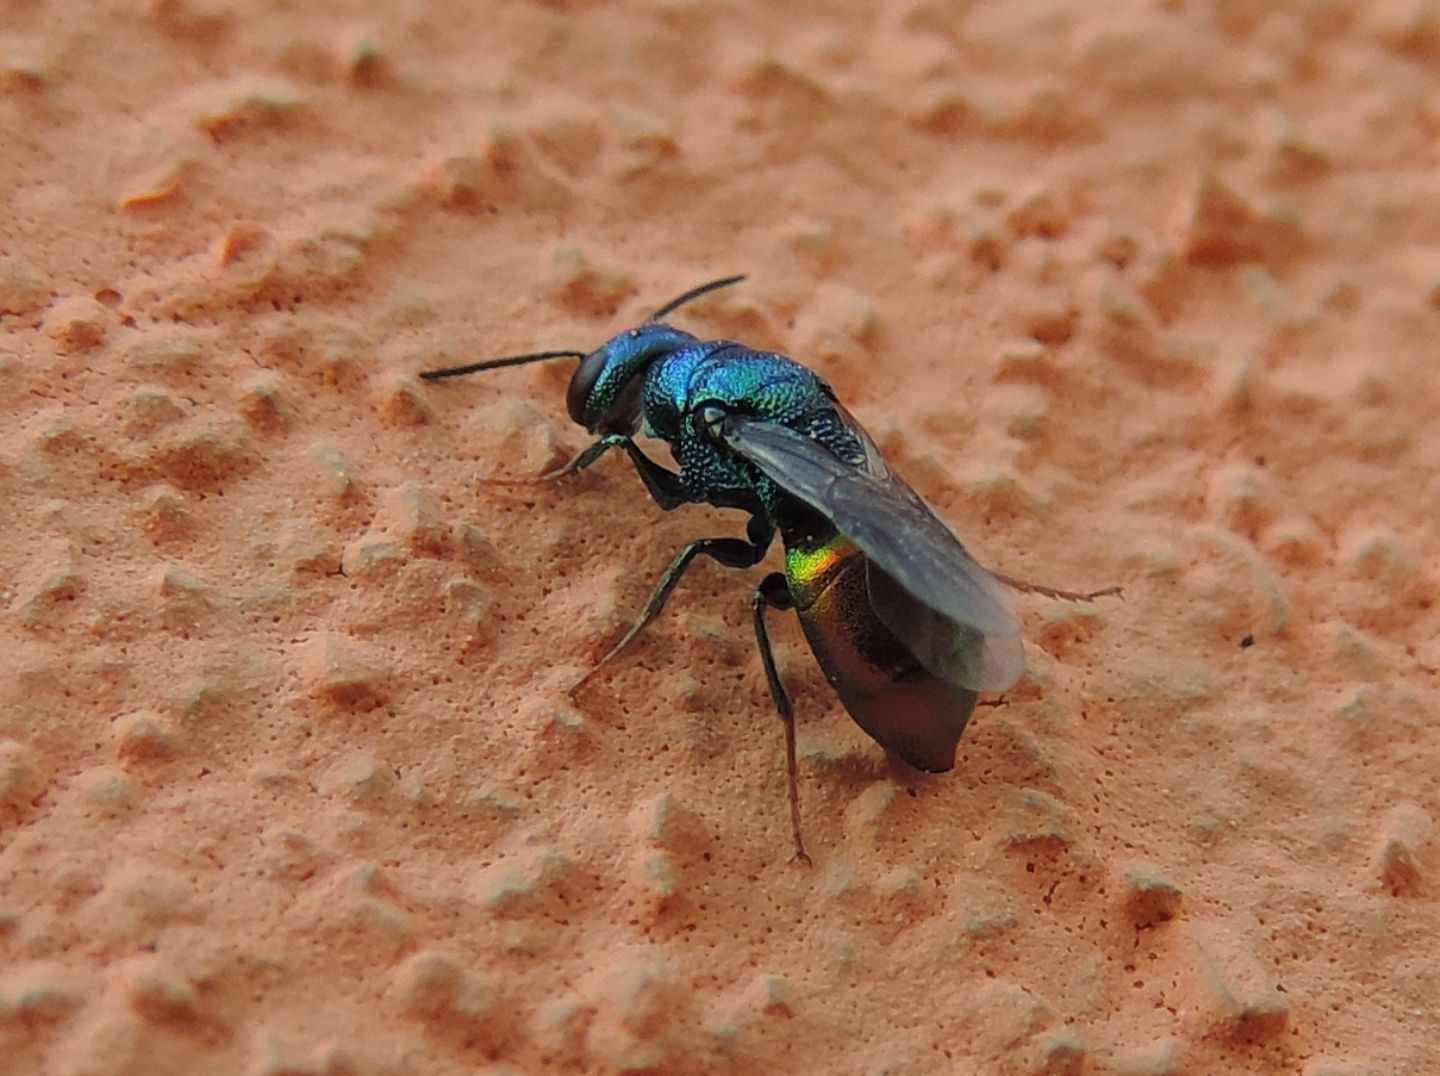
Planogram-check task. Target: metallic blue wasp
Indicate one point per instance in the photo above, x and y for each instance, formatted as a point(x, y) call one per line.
point(906, 625)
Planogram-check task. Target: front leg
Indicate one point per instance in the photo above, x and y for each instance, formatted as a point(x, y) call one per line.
point(663, 486)
point(586, 457)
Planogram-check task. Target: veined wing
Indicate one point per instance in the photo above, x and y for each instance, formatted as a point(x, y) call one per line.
point(937, 599)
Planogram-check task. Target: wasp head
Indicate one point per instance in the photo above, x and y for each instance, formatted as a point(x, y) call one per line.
point(605, 392)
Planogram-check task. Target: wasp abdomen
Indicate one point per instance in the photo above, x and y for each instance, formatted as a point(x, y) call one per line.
point(901, 704)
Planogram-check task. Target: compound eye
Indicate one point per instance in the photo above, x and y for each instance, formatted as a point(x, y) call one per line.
point(582, 384)
point(710, 421)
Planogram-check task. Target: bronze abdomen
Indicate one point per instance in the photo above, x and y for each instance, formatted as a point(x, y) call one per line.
point(903, 706)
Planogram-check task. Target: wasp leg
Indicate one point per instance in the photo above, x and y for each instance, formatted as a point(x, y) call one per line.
point(663, 486)
point(731, 552)
point(586, 457)
point(772, 593)
point(1026, 587)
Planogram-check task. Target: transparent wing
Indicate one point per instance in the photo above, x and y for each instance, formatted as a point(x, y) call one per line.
point(937, 599)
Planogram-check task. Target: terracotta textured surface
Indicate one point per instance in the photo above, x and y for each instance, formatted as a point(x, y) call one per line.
point(290, 782)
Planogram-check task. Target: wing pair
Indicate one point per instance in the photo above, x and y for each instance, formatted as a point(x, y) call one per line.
point(937, 599)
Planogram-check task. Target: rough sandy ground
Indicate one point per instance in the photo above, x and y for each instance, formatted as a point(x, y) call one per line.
point(290, 781)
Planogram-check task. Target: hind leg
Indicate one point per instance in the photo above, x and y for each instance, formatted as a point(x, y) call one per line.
point(773, 593)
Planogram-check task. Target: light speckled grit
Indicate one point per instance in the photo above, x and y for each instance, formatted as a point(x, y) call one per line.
point(1145, 292)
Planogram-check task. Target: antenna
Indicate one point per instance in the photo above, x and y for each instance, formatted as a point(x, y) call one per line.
point(545, 356)
point(495, 364)
point(694, 293)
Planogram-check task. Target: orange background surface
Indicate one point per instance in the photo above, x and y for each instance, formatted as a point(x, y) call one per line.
point(290, 782)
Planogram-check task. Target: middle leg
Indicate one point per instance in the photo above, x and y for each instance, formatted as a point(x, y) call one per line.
point(731, 552)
